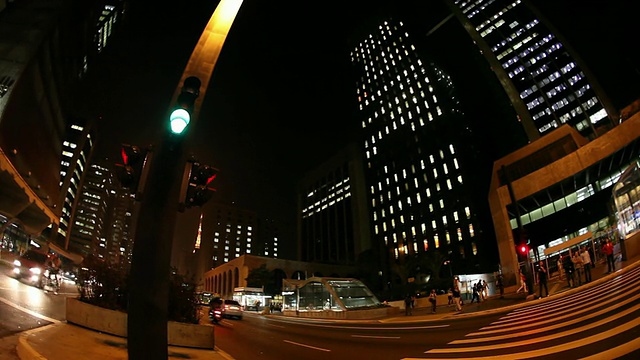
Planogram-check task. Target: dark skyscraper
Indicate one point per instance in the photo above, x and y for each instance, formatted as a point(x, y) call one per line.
point(419, 158)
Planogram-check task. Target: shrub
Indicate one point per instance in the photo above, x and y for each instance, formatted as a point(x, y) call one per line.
point(103, 285)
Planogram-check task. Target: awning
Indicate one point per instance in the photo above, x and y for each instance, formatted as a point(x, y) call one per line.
point(569, 243)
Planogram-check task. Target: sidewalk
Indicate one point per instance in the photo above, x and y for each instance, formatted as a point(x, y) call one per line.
point(63, 341)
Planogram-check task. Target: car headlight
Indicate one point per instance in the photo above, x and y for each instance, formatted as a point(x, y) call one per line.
point(17, 262)
point(36, 270)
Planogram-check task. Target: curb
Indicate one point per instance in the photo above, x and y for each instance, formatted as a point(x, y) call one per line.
point(24, 349)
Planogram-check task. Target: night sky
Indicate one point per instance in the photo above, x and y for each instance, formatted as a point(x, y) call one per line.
point(281, 97)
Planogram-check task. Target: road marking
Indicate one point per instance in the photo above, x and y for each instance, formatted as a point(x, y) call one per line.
point(30, 312)
point(547, 350)
point(617, 351)
point(307, 346)
point(376, 337)
point(512, 333)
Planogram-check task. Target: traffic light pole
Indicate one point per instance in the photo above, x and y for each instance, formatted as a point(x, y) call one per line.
point(150, 266)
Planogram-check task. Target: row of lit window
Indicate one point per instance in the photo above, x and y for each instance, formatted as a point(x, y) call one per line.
point(433, 222)
point(404, 248)
point(522, 42)
point(334, 195)
point(310, 211)
point(578, 110)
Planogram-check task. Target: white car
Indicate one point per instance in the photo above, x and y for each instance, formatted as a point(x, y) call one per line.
point(232, 309)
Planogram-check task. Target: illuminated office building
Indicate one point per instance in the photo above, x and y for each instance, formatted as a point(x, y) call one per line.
point(333, 223)
point(545, 80)
point(556, 190)
point(76, 154)
point(419, 157)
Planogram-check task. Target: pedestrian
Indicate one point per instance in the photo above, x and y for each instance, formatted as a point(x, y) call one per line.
point(475, 293)
point(567, 265)
point(485, 290)
point(433, 300)
point(577, 266)
point(592, 256)
point(480, 291)
point(450, 297)
point(586, 264)
point(500, 285)
point(408, 305)
point(542, 278)
point(607, 249)
point(560, 269)
point(456, 293)
point(523, 283)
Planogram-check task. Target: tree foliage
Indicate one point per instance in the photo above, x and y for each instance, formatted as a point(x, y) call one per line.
point(263, 278)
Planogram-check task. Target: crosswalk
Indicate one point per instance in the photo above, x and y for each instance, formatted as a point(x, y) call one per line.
point(600, 322)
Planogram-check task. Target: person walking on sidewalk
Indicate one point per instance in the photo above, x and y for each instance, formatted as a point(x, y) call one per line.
point(586, 264)
point(577, 265)
point(456, 294)
point(567, 264)
point(542, 278)
point(476, 293)
point(560, 268)
point(523, 283)
point(500, 285)
point(450, 297)
point(432, 299)
point(607, 249)
point(485, 290)
point(408, 305)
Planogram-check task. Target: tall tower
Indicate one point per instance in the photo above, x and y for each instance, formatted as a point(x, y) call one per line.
point(418, 159)
point(545, 80)
point(77, 149)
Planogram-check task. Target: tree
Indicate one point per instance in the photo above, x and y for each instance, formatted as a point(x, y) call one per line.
point(264, 278)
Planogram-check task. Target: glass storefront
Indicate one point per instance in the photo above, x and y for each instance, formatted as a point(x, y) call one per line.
point(335, 294)
point(626, 195)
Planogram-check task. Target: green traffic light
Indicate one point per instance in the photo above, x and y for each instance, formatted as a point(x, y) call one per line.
point(179, 120)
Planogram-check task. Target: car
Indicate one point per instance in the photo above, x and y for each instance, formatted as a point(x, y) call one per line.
point(231, 309)
point(31, 267)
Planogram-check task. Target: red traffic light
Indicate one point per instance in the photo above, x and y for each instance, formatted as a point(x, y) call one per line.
point(523, 249)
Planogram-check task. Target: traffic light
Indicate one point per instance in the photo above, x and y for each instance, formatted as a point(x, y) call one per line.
point(196, 188)
point(523, 249)
point(181, 114)
point(132, 172)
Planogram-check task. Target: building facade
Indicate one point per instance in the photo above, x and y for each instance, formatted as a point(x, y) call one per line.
point(49, 46)
point(557, 187)
point(547, 83)
point(419, 159)
point(333, 213)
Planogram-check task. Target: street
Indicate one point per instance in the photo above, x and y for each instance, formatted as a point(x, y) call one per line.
point(590, 322)
point(24, 307)
point(566, 327)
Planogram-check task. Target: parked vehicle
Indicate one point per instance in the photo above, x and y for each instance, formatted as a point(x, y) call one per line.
point(31, 267)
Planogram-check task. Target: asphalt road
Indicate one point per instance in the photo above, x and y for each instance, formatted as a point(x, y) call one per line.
point(599, 322)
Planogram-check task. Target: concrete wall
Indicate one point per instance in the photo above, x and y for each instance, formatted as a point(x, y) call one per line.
point(115, 323)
